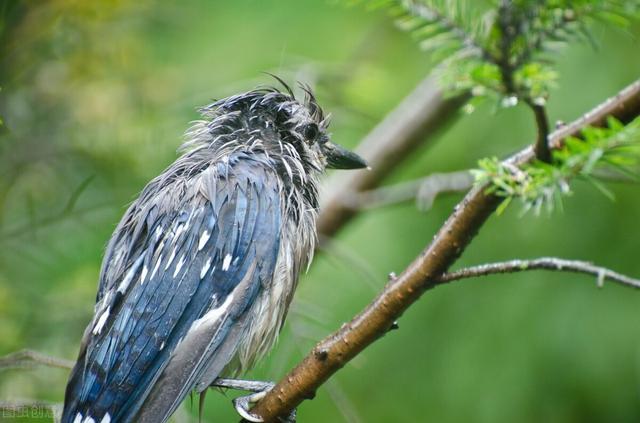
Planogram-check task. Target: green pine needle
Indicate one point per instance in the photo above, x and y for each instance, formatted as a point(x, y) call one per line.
point(538, 185)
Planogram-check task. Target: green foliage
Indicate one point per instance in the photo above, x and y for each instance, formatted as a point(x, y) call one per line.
point(537, 185)
point(446, 29)
point(504, 51)
point(524, 33)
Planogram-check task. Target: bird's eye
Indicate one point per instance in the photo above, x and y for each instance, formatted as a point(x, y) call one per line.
point(310, 132)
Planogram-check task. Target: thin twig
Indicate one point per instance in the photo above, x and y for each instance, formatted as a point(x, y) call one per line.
point(423, 190)
point(29, 358)
point(543, 263)
point(332, 353)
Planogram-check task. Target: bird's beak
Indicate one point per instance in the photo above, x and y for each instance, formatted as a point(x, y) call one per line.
point(339, 157)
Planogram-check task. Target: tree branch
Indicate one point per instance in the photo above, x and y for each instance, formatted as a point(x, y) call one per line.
point(332, 353)
point(542, 150)
point(413, 123)
point(29, 358)
point(34, 225)
point(423, 190)
point(31, 408)
point(543, 263)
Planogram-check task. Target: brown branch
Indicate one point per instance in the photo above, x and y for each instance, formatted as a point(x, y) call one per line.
point(332, 353)
point(542, 150)
point(423, 113)
point(423, 190)
point(29, 358)
point(543, 263)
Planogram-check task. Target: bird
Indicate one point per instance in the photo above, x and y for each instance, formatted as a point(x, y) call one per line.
point(199, 274)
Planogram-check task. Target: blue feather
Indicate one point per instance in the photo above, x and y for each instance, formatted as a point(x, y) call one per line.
point(166, 295)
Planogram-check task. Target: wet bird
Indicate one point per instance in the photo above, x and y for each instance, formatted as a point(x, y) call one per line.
point(198, 275)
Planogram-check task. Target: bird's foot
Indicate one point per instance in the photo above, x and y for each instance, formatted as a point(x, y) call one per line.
point(243, 404)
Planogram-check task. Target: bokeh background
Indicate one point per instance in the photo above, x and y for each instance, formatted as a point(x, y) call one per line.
point(95, 98)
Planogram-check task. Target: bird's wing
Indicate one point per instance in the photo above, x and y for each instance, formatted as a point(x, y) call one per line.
point(194, 262)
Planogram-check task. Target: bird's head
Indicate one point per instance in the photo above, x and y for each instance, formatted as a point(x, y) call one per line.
point(277, 123)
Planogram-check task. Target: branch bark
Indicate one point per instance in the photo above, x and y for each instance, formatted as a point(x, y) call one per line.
point(543, 263)
point(332, 353)
point(542, 150)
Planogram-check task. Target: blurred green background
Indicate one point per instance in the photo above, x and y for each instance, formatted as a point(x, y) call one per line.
point(95, 98)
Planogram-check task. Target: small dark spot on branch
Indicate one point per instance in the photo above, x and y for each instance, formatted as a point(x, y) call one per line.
point(322, 355)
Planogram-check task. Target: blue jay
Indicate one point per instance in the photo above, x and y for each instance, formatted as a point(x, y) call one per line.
point(198, 275)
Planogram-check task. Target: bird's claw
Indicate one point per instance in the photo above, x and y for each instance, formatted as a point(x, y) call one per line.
point(243, 405)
